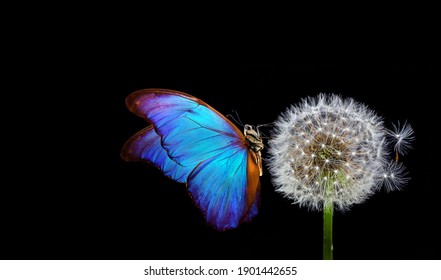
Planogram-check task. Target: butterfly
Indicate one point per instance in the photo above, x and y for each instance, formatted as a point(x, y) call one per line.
point(192, 143)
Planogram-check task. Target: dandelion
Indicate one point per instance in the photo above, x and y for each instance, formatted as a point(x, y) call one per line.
point(328, 152)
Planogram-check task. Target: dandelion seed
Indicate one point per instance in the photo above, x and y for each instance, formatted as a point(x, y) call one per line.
point(403, 138)
point(395, 176)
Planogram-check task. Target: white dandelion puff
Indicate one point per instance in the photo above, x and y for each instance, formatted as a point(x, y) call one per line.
point(345, 144)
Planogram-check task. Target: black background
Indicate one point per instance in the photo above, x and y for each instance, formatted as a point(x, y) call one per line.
point(79, 200)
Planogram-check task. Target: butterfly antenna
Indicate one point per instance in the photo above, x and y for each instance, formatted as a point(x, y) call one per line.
point(235, 119)
point(262, 134)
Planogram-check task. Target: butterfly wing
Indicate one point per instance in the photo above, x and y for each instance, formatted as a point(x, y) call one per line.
point(191, 131)
point(225, 188)
point(146, 145)
point(224, 182)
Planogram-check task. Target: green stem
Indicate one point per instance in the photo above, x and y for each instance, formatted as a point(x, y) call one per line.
point(328, 210)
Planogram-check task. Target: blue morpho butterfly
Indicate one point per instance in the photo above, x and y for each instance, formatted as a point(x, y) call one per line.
point(192, 143)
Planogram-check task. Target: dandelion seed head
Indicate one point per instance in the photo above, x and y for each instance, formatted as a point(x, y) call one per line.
point(339, 149)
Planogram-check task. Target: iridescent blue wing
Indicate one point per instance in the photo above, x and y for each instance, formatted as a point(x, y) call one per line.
point(146, 145)
point(226, 188)
point(191, 131)
point(225, 179)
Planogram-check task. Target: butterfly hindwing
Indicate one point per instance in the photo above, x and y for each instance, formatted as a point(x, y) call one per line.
point(146, 145)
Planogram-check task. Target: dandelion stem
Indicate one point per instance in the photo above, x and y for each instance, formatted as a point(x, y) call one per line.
point(328, 211)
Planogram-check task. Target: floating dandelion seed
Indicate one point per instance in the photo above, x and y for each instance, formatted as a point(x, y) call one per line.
point(403, 135)
point(345, 143)
point(394, 176)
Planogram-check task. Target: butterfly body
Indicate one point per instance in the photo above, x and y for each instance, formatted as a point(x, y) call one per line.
point(253, 138)
point(192, 143)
